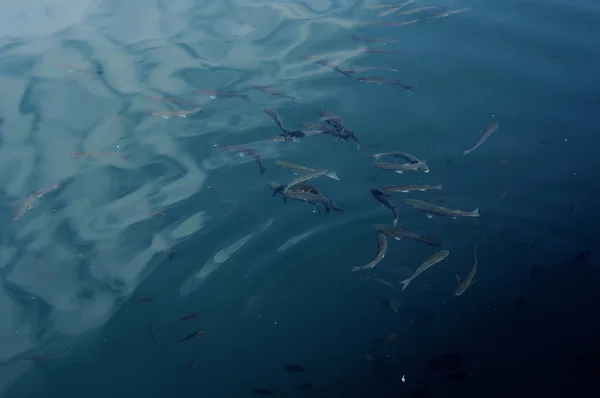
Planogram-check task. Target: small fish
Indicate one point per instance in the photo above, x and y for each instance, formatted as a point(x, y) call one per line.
point(418, 10)
point(463, 284)
point(168, 114)
point(373, 50)
point(34, 358)
point(27, 204)
point(380, 80)
point(155, 336)
point(400, 23)
point(188, 317)
point(360, 69)
point(265, 391)
point(304, 177)
point(484, 136)
point(409, 188)
point(191, 336)
point(446, 13)
point(276, 118)
point(302, 187)
point(306, 386)
point(332, 119)
point(520, 303)
point(374, 39)
point(325, 63)
point(399, 233)
point(170, 100)
point(314, 200)
point(381, 249)
point(383, 198)
point(191, 365)
point(294, 368)
point(388, 338)
point(407, 156)
point(86, 155)
point(213, 94)
point(431, 209)
point(434, 259)
point(245, 150)
point(503, 195)
point(386, 283)
point(302, 169)
point(145, 300)
point(274, 93)
point(399, 168)
point(582, 255)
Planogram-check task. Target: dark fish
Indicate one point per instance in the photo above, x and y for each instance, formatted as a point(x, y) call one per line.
point(446, 13)
point(276, 118)
point(223, 94)
point(314, 200)
point(431, 261)
point(374, 50)
point(305, 177)
point(582, 255)
point(383, 198)
point(172, 255)
point(277, 189)
point(337, 122)
point(360, 69)
point(306, 386)
point(326, 63)
point(191, 336)
point(189, 316)
point(274, 93)
point(399, 168)
point(484, 136)
point(146, 300)
point(245, 150)
point(445, 362)
point(408, 188)
point(28, 203)
point(397, 154)
point(265, 391)
point(391, 304)
point(431, 209)
point(388, 338)
point(380, 80)
point(520, 303)
point(381, 249)
point(294, 368)
point(399, 233)
point(374, 39)
point(457, 376)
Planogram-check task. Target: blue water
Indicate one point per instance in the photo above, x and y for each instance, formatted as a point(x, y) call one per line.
point(153, 222)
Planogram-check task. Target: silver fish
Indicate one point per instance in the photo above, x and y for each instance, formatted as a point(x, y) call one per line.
point(463, 284)
point(408, 188)
point(275, 116)
point(313, 199)
point(397, 154)
point(381, 249)
point(399, 233)
point(303, 178)
point(381, 80)
point(399, 168)
point(484, 136)
point(302, 169)
point(167, 114)
point(431, 209)
point(434, 259)
point(27, 204)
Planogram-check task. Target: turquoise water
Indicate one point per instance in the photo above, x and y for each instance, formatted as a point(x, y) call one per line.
point(152, 222)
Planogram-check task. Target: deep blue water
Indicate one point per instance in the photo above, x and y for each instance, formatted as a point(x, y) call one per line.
point(152, 222)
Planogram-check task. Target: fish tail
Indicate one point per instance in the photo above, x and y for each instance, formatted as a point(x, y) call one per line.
point(439, 186)
point(474, 213)
point(405, 283)
point(333, 174)
point(395, 221)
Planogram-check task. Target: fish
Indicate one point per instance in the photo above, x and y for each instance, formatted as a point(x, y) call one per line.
point(388, 338)
point(432, 209)
point(383, 198)
point(167, 114)
point(245, 150)
point(360, 69)
point(409, 188)
point(191, 336)
point(27, 204)
point(332, 119)
point(397, 154)
point(302, 169)
point(302, 187)
point(373, 50)
point(386, 283)
point(381, 249)
point(446, 13)
point(463, 284)
point(191, 365)
point(213, 94)
point(582, 255)
point(503, 194)
point(294, 368)
point(265, 391)
point(274, 93)
point(155, 336)
point(306, 386)
point(432, 260)
point(145, 300)
point(399, 23)
point(399, 233)
point(417, 10)
point(484, 136)
point(304, 177)
point(314, 199)
point(381, 40)
point(380, 80)
point(189, 317)
point(325, 63)
point(393, 305)
point(399, 168)
point(276, 118)
point(171, 100)
point(85, 155)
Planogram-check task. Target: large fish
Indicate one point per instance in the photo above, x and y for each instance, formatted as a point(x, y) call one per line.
point(213, 94)
point(399, 167)
point(326, 63)
point(303, 178)
point(399, 233)
point(484, 136)
point(313, 199)
point(276, 118)
point(28, 203)
point(434, 259)
point(381, 249)
point(381, 80)
point(302, 169)
point(274, 93)
point(383, 199)
point(397, 154)
point(432, 209)
point(409, 188)
point(302, 187)
point(463, 284)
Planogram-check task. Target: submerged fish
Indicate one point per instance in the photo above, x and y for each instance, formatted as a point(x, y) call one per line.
point(431, 209)
point(381, 249)
point(360, 69)
point(313, 199)
point(374, 50)
point(28, 203)
point(383, 198)
point(167, 114)
point(191, 336)
point(274, 93)
point(224, 94)
point(434, 259)
point(399, 233)
point(276, 118)
point(446, 13)
point(294, 368)
point(302, 169)
point(463, 284)
point(484, 136)
point(326, 63)
point(397, 154)
point(408, 188)
point(399, 168)
point(381, 80)
point(304, 177)
point(245, 150)
point(381, 40)
point(265, 391)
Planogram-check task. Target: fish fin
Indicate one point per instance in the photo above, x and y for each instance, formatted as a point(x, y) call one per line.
point(430, 216)
point(474, 213)
point(332, 174)
point(405, 283)
point(399, 172)
point(458, 278)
